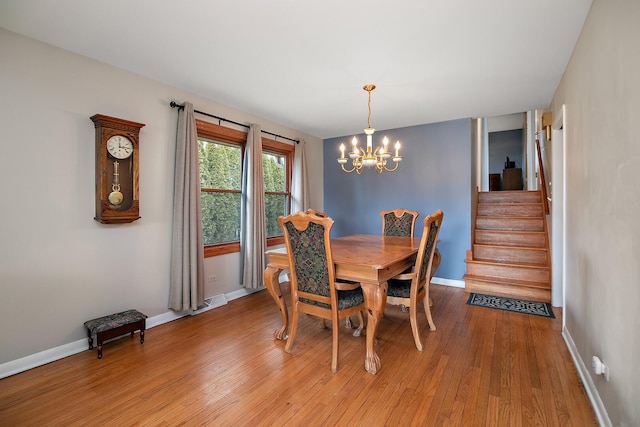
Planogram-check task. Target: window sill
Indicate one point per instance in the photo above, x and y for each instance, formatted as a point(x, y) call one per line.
point(228, 248)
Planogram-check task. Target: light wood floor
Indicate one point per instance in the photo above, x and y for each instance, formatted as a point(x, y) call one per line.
point(481, 367)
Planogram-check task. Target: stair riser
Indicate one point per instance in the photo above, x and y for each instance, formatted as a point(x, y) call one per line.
point(509, 197)
point(490, 237)
point(533, 274)
point(510, 254)
point(516, 224)
point(513, 291)
point(510, 210)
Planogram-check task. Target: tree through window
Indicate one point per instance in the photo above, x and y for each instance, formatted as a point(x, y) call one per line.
point(220, 152)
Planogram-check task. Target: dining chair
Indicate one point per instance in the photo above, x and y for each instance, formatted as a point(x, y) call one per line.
point(398, 222)
point(348, 322)
point(409, 289)
point(311, 211)
point(314, 288)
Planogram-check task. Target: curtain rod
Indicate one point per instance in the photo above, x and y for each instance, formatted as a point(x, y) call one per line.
point(174, 104)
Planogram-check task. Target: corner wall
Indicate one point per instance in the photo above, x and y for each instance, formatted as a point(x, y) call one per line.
point(601, 91)
point(59, 267)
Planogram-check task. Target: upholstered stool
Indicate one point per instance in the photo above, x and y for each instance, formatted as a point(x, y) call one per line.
point(114, 325)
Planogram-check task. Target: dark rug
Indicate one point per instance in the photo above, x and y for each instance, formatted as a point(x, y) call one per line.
point(512, 304)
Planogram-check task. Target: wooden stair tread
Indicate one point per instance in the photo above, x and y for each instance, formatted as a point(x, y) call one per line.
point(516, 264)
point(507, 264)
point(514, 204)
point(511, 238)
point(502, 218)
point(515, 282)
point(525, 223)
point(509, 254)
point(525, 248)
point(510, 196)
point(507, 232)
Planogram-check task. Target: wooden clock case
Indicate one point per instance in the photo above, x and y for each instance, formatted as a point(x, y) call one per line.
point(129, 209)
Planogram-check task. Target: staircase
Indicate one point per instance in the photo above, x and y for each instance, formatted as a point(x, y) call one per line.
point(510, 252)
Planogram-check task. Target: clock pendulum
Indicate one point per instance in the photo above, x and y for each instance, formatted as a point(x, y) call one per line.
point(115, 197)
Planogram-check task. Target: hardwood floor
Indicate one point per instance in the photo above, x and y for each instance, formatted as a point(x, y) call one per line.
point(481, 367)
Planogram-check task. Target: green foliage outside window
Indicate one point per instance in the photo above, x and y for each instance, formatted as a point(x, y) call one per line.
point(220, 169)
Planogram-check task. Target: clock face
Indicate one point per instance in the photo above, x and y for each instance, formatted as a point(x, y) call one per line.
point(119, 146)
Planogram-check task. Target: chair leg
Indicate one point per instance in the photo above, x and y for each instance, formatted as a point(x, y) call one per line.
point(292, 332)
point(427, 310)
point(335, 327)
point(413, 316)
point(347, 323)
point(358, 331)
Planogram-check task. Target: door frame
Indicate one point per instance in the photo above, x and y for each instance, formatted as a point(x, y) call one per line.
point(558, 211)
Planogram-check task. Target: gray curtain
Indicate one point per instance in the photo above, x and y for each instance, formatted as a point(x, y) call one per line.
point(300, 180)
point(253, 233)
point(186, 286)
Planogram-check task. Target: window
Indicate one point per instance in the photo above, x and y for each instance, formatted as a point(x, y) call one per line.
point(220, 152)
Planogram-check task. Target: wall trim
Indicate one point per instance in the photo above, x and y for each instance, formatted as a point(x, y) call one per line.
point(448, 282)
point(585, 376)
point(51, 355)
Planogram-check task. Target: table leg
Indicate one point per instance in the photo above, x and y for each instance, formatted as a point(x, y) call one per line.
point(271, 281)
point(375, 297)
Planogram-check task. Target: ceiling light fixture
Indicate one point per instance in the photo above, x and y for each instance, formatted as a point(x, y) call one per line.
point(378, 157)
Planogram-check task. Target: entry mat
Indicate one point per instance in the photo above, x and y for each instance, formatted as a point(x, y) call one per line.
point(512, 304)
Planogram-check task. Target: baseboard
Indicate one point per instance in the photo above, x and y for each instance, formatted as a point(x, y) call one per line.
point(242, 292)
point(585, 376)
point(47, 356)
point(447, 282)
point(42, 358)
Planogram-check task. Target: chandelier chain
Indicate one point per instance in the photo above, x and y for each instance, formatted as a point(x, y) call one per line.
point(369, 114)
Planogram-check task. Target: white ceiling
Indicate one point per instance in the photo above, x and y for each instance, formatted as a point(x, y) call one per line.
point(303, 63)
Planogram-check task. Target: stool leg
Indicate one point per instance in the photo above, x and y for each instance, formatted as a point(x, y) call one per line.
point(90, 342)
point(100, 339)
point(142, 336)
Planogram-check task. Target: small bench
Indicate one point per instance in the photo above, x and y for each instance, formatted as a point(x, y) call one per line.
point(114, 325)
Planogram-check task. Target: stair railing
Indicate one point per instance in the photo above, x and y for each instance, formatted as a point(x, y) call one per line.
point(545, 200)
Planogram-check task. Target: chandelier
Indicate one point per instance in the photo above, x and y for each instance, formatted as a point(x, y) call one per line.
point(378, 157)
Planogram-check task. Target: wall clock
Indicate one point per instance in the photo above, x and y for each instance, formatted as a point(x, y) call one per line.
point(117, 160)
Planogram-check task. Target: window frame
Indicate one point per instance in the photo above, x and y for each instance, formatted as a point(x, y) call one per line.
point(207, 130)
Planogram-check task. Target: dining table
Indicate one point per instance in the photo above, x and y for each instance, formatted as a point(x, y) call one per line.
point(368, 259)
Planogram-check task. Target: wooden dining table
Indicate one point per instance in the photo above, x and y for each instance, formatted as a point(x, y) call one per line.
point(368, 259)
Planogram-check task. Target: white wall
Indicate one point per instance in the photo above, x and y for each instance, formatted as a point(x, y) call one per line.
point(58, 266)
point(601, 91)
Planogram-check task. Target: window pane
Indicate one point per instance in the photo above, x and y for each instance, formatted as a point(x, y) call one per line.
point(274, 206)
point(219, 165)
point(275, 172)
point(220, 217)
point(274, 166)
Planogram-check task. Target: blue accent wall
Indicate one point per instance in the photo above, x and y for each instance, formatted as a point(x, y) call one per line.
point(435, 173)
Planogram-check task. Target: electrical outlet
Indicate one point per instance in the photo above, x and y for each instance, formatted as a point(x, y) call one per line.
point(212, 278)
point(599, 367)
